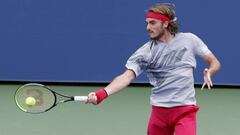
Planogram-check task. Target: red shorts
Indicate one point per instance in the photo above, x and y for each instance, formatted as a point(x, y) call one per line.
point(173, 121)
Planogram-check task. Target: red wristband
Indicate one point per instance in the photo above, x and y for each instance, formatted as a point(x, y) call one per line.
point(101, 95)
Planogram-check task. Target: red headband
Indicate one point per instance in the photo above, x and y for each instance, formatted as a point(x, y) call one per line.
point(157, 16)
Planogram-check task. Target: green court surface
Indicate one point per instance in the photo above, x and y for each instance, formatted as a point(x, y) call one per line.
point(125, 113)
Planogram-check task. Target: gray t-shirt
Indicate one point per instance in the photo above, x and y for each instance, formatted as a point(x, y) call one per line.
point(169, 67)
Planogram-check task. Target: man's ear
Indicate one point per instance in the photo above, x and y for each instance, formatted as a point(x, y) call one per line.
point(165, 24)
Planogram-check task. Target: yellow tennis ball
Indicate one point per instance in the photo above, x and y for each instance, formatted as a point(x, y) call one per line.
point(31, 101)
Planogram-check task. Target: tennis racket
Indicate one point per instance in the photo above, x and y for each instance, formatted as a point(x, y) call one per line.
point(42, 97)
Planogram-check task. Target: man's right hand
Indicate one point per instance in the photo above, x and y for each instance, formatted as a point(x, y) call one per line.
point(97, 96)
point(92, 98)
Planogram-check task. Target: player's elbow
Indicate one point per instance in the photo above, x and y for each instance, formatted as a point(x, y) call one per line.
point(128, 76)
point(215, 65)
point(218, 65)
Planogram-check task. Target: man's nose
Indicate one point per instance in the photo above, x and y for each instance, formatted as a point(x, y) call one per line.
point(148, 27)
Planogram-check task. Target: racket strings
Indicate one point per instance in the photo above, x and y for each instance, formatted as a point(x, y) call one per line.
point(45, 98)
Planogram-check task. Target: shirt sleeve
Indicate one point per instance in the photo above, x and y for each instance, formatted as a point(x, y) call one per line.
point(139, 60)
point(200, 48)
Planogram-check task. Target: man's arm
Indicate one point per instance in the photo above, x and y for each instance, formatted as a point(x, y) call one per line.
point(119, 83)
point(214, 66)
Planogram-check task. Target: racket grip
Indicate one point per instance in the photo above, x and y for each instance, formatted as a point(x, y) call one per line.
point(80, 98)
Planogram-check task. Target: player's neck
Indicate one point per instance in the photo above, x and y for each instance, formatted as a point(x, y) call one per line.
point(166, 37)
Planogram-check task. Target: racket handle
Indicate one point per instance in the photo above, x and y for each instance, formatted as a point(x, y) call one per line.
point(80, 98)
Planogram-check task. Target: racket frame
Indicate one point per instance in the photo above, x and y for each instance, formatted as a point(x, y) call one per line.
point(55, 103)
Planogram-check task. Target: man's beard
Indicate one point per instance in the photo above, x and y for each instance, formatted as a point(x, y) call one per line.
point(158, 36)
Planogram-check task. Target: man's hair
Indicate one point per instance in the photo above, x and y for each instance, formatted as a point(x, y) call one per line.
point(166, 10)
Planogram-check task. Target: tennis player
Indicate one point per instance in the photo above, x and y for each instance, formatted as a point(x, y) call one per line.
point(169, 61)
